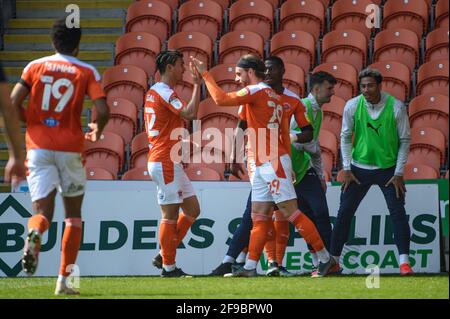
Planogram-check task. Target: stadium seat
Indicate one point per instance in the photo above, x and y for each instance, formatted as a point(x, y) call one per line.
point(139, 151)
point(432, 77)
point(210, 157)
point(332, 116)
point(329, 148)
point(441, 15)
point(223, 3)
point(294, 79)
point(107, 152)
point(151, 16)
point(306, 15)
point(203, 16)
point(406, 14)
point(346, 76)
point(200, 173)
point(194, 44)
point(351, 14)
point(122, 120)
point(345, 45)
point(396, 78)
point(427, 147)
point(437, 45)
point(139, 49)
point(419, 171)
point(252, 15)
point(125, 81)
point(137, 174)
point(235, 44)
point(97, 173)
point(430, 110)
point(401, 45)
point(173, 4)
point(295, 47)
point(224, 76)
point(244, 177)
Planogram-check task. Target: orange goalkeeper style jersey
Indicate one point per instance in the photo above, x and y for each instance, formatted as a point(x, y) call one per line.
point(58, 85)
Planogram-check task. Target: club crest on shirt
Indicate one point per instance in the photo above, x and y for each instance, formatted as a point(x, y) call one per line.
point(286, 106)
point(150, 98)
point(176, 103)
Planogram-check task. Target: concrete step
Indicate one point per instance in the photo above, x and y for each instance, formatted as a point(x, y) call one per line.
point(99, 46)
point(45, 38)
point(85, 13)
point(82, 4)
point(5, 188)
point(4, 155)
point(47, 23)
point(27, 56)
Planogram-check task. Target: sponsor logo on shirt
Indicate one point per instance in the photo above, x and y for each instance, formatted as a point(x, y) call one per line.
point(51, 122)
point(242, 92)
point(176, 103)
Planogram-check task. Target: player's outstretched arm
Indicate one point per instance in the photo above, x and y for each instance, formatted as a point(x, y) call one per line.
point(102, 119)
point(191, 110)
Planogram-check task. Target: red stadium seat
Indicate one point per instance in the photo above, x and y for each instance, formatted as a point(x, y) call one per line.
point(346, 76)
point(201, 16)
point(151, 16)
point(396, 78)
point(224, 76)
point(411, 14)
point(437, 45)
point(210, 157)
point(223, 3)
point(430, 110)
point(295, 47)
point(419, 171)
point(252, 15)
point(97, 173)
point(294, 79)
point(401, 45)
point(329, 148)
point(107, 153)
point(432, 77)
point(235, 44)
point(194, 44)
point(200, 173)
point(351, 14)
point(139, 49)
point(139, 151)
point(173, 4)
point(332, 116)
point(125, 81)
point(306, 15)
point(137, 174)
point(427, 147)
point(441, 15)
point(345, 46)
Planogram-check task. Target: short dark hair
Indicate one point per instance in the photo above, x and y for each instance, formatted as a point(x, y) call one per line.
point(167, 57)
point(320, 77)
point(372, 73)
point(65, 40)
point(251, 61)
point(276, 59)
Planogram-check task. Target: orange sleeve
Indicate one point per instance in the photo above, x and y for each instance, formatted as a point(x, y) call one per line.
point(242, 112)
point(221, 98)
point(27, 75)
point(300, 116)
point(175, 104)
point(94, 87)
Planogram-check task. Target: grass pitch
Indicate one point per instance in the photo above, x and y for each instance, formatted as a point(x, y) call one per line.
point(300, 287)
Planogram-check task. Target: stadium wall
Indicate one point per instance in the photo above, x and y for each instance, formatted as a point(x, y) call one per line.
point(121, 231)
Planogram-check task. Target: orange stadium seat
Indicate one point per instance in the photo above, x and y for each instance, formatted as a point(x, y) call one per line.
point(396, 78)
point(329, 147)
point(350, 14)
point(432, 77)
point(107, 152)
point(203, 16)
point(306, 15)
point(151, 16)
point(194, 44)
point(210, 157)
point(332, 116)
point(441, 20)
point(252, 15)
point(295, 47)
point(173, 4)
point(223, 3)
point(235, 44)
point(224, 76)
point(137, 174)
point(200, 173)
point(346, 77)
point(139, 49)
point(125, 81)
point(401, 45)
point(139, 151)
point(294, 79)
point(97, 173)
point(419, 171)
point(123, 118)
point(411, 14)
point(437, 45)
point(427, 147)
point(345, 45)
point(430, 110)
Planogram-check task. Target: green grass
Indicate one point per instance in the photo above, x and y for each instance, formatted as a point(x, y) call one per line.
point(301, 287)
